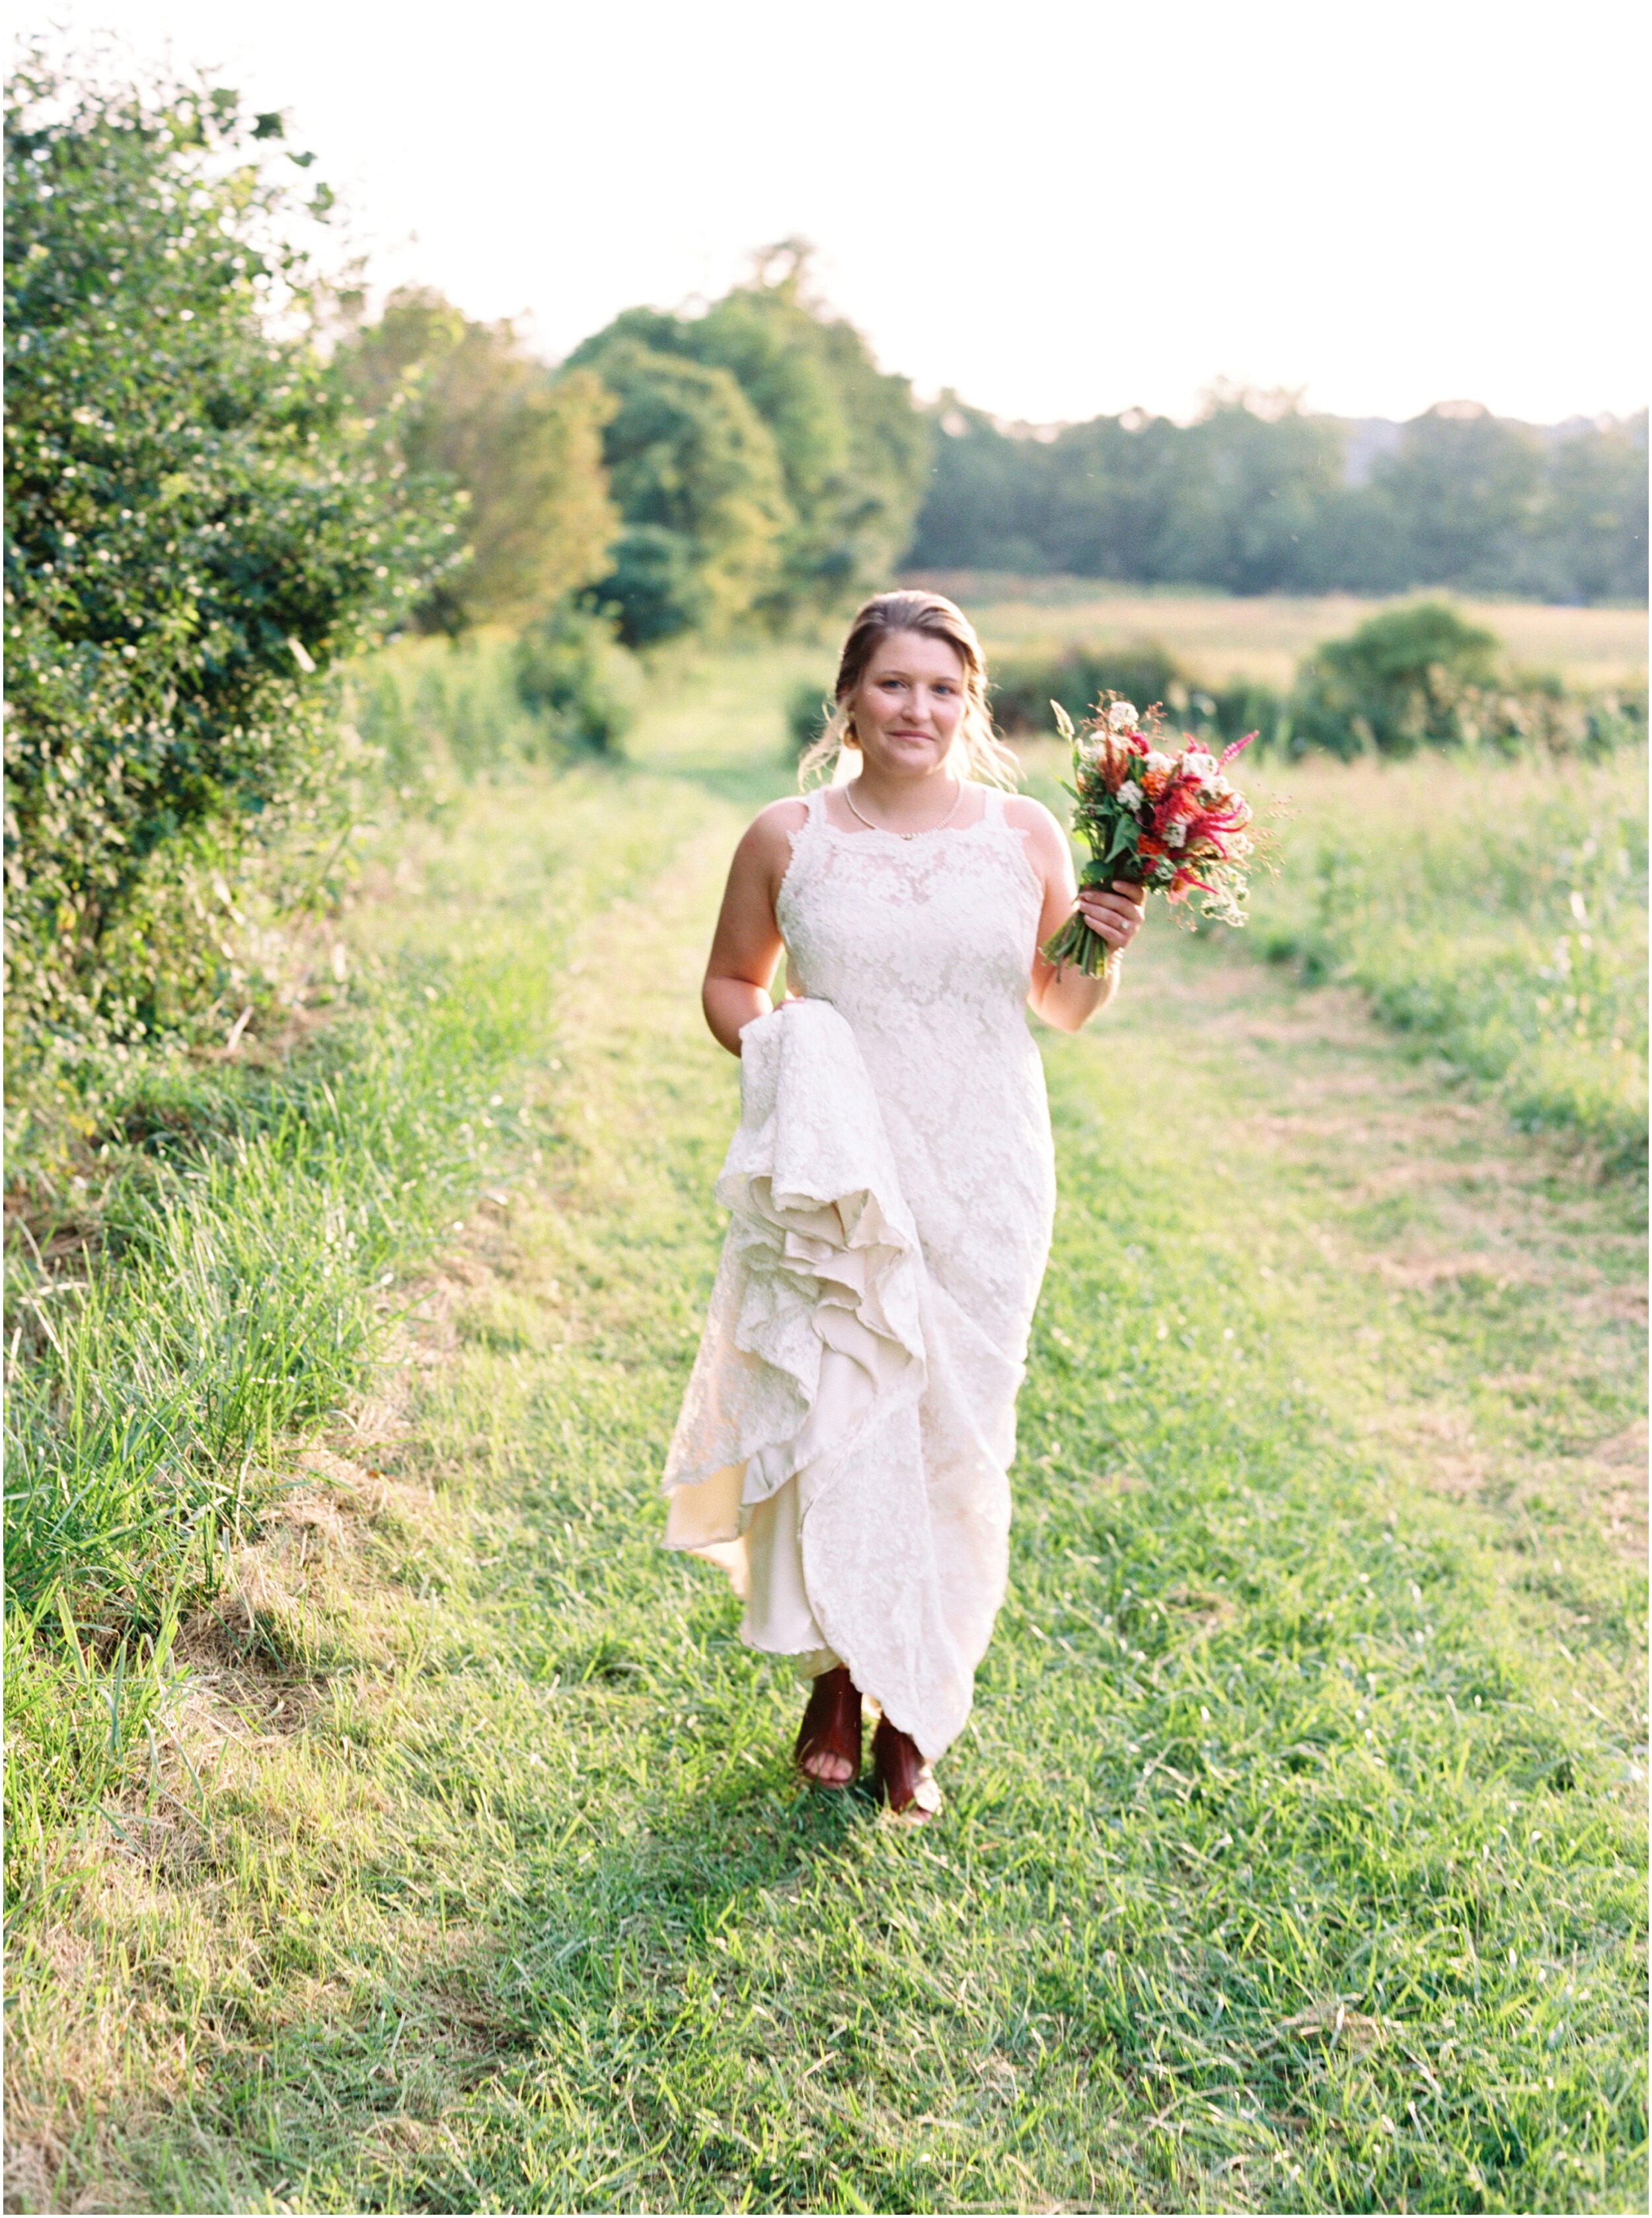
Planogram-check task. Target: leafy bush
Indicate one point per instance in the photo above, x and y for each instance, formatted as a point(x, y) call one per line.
point(1396, 685)
point(573, 674)
point(1024, 686)
point(432, 708)
point(197, 526)
point(1420, 676)
point(1413, 677)
point(808, 710)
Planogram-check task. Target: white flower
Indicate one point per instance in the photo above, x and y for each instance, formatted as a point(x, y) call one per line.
point(1122, 716)
point(1156, 760)
point(1176, 835)
point(1130, 795)
point(1197, 763)
point(1091, 751)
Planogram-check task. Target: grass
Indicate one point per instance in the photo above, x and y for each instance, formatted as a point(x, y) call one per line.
point(1291, 1860)
point(1222, 639)
point(1495, 912)
point(232, 1254)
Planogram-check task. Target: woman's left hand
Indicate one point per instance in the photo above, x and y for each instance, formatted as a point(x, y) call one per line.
point(1113, 912)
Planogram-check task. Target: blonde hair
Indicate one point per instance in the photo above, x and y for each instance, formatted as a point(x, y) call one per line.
point(977, 751)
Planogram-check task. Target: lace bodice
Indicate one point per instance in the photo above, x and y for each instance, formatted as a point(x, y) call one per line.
point(926, 946)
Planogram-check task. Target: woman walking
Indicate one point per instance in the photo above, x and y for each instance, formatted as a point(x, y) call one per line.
point(844, 1445)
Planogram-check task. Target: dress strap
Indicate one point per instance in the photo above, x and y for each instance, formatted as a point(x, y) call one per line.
point(994, 811)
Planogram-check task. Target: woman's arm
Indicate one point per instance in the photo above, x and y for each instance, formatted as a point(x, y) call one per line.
point(746, 946)
point(1067, 998)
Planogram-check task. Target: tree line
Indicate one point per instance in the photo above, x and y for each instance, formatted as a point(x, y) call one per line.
point(1257, 496)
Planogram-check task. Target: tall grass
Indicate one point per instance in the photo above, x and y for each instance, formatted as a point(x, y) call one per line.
point(1496, 911)
point(429, 706)
point(226, 1282)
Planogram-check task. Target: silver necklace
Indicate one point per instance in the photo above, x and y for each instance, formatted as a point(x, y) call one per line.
point(871, 826)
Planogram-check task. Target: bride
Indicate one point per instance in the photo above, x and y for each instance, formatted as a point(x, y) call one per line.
point(844, 1445)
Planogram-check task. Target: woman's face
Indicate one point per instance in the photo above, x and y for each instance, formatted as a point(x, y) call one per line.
point(908, 704)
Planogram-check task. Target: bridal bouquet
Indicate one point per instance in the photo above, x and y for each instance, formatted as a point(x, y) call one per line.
point(1169, 822)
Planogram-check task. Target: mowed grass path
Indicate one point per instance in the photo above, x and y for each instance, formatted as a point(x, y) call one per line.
point(1292, 1856)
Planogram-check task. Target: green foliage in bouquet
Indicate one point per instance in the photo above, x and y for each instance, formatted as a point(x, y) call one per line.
point(1170, 822)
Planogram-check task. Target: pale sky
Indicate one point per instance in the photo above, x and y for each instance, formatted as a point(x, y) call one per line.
point(1057, 209)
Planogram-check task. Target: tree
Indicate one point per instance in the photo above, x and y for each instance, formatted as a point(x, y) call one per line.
point(1255, 497)
point(1463, 490)
point(524, 447)
point(1253, 479)
point(198, 523)
point(700, 484)
point(852, 447)
point(986, 505)
point(1593, 514)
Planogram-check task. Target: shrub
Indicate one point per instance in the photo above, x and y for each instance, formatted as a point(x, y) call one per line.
point(197, 526)
point(1421, 677)
point(1394, 685)
point(808, 710)
point(573, 675)
point(1023, 686)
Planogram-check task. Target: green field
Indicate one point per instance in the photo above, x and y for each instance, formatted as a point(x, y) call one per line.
point(403, 1830)
point(1220, 638)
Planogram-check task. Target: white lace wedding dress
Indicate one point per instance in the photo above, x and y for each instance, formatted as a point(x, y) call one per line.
point(844, 1443)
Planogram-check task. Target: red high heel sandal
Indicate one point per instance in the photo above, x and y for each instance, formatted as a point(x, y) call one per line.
point(832, 1727)
point(900, 1777)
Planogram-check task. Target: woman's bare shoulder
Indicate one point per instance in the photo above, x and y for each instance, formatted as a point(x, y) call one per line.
point(1025, 815)
point(770, 830)
point(765, 843)
point(785, 816)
